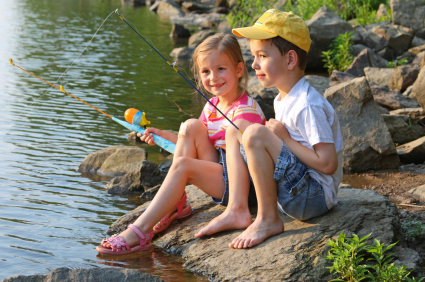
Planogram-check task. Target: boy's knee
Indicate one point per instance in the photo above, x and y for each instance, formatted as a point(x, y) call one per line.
point(253, 135)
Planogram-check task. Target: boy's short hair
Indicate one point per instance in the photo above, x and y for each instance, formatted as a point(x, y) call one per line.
point(286, 30)
point(285, 46)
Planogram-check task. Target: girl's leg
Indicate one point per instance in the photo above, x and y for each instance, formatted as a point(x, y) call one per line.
point(236, 215)
point(183, 170)
point(262, 148)
point(193, 142)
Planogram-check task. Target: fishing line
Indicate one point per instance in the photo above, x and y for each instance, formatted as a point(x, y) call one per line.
point(134, 126)
point(168, 57)
point(176, 70)
point(69, 65)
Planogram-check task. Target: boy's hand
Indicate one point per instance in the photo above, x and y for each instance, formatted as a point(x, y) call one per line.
point(278, 128)
point(148, 137)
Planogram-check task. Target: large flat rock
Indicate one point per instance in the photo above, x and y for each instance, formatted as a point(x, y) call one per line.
point(294, 255)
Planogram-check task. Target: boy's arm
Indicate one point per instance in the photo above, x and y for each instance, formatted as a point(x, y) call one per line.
point(322, 159)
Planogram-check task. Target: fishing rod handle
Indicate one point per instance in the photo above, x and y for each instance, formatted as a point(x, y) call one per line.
point(162, 142)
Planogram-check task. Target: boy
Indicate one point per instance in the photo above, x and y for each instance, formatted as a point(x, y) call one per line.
point(295, 159)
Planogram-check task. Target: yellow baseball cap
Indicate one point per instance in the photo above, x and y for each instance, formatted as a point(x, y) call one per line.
point(277, 23)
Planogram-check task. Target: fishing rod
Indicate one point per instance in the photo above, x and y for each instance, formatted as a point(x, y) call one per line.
point(134, 119)
point(174, 68)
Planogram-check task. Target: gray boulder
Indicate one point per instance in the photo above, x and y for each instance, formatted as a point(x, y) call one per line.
point(197, 19)
point(200, 36)
point(412, 152)
point(320, 83)
point(380, 76)
point(367, 141)
point(417, 42)
point(64, 274)
point(375, 60)
point(409, 92)
point(419, 191)
point(298, 254)
point(324, 27)
point(401, 128)
point(147, 176)
point(113, 161)
point(359, 63)
point(391, 99)
point(403, 77)
point(382, 11)
point(267, 94)
point(169, 8)
point(182, 53)
point(338, 77)
point(409, 13)
point(397, 38)
point(419, 88)
point(419, 59)
point(412, 112)
point(179, 31)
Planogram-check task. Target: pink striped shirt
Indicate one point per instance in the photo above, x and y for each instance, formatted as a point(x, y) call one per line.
point(243, 108)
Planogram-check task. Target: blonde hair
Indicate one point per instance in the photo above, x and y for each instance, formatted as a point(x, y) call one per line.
point(220, 42)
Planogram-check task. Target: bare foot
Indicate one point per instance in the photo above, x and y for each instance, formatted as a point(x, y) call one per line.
point(229, 219)
point(256, 233)
point(128, 235)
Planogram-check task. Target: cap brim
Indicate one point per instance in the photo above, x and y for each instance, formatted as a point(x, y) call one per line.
point(253, 32)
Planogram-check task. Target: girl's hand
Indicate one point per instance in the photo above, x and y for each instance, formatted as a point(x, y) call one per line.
point(148, 137)
point(278, 128)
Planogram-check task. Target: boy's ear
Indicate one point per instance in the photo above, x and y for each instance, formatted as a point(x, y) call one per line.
point(240, 69)
point(292, 59)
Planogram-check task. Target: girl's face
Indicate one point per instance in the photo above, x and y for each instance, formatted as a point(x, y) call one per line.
point(219, 74)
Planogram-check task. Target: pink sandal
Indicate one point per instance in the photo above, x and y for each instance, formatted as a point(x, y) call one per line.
point(183, 210)
point(120, 246)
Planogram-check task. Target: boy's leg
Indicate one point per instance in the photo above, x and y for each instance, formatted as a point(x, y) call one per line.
point(262, 149)
point(236, 215)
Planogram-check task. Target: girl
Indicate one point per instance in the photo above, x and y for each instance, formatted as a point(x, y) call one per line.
point(199, 158)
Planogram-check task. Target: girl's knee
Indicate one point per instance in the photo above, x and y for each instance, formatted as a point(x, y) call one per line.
point(181, 163)
point(191, 127)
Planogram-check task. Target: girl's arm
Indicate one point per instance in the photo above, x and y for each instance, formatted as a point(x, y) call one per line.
point(323, 158)
point(148, 138)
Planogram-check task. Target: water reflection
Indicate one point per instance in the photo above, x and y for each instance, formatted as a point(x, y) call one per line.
point(154, 262)
point(50, 215)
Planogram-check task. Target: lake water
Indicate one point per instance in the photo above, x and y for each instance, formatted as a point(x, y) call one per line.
point(50, 215)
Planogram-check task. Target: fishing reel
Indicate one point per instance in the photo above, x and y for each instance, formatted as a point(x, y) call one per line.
point(136, 117)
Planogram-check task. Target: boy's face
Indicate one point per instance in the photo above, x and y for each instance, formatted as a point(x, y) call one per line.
point(271, 67)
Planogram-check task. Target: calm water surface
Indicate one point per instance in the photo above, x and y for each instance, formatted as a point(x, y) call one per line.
point(50, 215)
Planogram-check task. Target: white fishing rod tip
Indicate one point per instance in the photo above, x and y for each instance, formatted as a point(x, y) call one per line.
point(116, 11)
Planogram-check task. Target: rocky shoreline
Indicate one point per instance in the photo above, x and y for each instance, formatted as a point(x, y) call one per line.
point(382, 118)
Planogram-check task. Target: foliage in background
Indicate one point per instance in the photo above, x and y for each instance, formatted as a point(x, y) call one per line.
point(339, 57)
point(412, 230)
point(348, 254)
point(360, 11)
point(246, 12)
point(394, 64)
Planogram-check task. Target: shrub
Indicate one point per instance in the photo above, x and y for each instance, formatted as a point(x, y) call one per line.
point(339, 57)
point(348, 254)
point(246, 12)
point(361, 11)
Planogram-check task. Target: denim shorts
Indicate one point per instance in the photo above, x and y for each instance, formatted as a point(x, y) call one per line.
point(299, 195)
point(252, 199)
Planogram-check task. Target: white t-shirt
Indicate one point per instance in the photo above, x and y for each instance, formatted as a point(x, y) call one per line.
point(310, 119)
